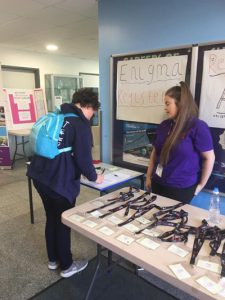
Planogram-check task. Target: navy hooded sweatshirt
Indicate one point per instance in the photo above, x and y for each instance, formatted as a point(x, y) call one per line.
point(62, 174)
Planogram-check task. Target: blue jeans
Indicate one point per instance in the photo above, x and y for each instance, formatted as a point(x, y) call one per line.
point(58, 240)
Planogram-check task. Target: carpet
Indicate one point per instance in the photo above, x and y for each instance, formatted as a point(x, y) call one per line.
point(118, 284)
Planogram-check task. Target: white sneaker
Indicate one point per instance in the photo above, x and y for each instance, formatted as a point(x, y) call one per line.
point(77, 266)
point(53, 265)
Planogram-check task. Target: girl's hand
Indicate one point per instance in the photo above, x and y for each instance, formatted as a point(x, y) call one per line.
point(198, 189)
point(148, 183)
point(100, 178)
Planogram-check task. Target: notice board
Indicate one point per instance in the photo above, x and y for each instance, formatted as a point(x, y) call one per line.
point(5, 162)
point(23, 107)
point(139, 82)
point(210, 95)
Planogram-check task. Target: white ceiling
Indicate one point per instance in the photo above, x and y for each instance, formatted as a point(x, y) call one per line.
point(32, 24)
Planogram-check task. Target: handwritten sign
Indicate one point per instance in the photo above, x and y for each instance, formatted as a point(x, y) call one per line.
point(212, 101)
point(141, 86)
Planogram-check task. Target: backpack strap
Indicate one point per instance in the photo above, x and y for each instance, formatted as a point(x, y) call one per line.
point(70, 115)
point(67, 148)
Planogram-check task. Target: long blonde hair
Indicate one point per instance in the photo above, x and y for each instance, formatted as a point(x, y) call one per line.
point(187, 109)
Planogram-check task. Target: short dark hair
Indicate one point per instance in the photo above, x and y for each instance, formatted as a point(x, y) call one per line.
point(86, 97)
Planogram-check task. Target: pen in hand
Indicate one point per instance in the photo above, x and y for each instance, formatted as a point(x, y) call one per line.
point(100, 177)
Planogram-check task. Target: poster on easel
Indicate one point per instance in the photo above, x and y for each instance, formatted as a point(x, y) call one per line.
point(23, 107)
point(40, 103)
point(20, 110)
point(5, 162)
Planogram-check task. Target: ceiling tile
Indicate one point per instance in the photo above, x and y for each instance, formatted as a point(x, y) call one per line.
point(31, 24)
point(19, 7)
point(49, 2)
point(88, 8)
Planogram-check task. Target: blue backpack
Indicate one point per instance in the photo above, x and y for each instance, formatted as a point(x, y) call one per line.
point(45, 133)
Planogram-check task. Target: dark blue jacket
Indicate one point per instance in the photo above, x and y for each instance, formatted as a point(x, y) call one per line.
point(62, 174)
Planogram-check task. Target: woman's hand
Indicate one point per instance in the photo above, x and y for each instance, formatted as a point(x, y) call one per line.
point(148, 183)
point(198, 189)
point(100, 178)
point(208, 159)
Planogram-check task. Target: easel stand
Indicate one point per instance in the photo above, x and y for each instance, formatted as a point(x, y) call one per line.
point(19, 133)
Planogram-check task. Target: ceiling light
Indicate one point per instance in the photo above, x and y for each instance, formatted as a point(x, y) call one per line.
point(52, 47)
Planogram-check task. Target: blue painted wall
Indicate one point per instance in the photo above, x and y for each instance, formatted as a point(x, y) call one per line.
point(135, 26)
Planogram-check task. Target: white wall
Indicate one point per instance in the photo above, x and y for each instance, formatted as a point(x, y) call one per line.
point(47, 63)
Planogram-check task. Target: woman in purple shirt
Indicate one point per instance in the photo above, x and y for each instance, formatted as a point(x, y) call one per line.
point(182, 157)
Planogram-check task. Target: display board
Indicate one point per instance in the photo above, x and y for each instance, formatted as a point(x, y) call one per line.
point(210, 95)
point(91, 80)
point(23, 107)
point(212, 98)
point(139, 82)
point(141, 86)
point(5, 162)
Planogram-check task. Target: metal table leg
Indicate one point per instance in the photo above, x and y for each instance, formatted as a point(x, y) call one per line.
point(99, 247)
point(107, 270)
point(31, 200)
point(109, 258)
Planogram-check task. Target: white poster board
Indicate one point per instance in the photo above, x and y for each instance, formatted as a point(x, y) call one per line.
point(212, 100)
point(40, 103)
point(90, 79)
point(23, 107)
point(141, 86)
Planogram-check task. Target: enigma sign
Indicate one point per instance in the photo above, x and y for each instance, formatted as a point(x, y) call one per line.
point(150, 73)
point(141, 86)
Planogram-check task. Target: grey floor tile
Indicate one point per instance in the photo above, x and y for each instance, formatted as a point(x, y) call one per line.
point(23, 256)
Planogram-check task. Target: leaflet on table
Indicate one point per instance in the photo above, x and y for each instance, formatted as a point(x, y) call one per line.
point(210, 285)
point(109, 179)
point(131, 227)
point(123, 174)
point(178, 250)
point(114, 219)
point(150, 232)
point(179, 271)
point(96, 213)
point(208, 265)
point(97, 203)
point(125, 239)
point(107, 230)
point(77, 217)
point(148, 243)
point(119, 174)
point(90, 223)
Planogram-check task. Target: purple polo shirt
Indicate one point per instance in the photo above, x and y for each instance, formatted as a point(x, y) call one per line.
point(183, 167)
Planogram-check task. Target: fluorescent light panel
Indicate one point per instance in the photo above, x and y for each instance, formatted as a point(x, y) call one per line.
point(52, 47)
